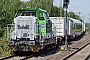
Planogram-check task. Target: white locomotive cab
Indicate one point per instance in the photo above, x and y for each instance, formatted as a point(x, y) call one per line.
point(25, 27)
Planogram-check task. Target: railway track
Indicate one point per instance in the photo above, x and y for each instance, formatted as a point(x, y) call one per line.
point(75, 56)
point(53, 54)
point(87, 58)
point(26, 56)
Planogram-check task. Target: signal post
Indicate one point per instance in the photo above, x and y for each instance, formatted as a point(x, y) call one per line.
point(65, 6)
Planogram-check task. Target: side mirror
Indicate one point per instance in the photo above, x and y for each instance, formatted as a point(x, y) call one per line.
point(41, 18)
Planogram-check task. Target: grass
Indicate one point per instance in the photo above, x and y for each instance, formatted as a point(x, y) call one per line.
point(4, 48)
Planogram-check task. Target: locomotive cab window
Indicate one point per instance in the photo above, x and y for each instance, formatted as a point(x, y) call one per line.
point(26, 13)
point(46, 15)
point(23, 27)
point(41, 16)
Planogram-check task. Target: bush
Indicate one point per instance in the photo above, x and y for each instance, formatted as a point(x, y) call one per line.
point(4, 49)
point(2, 32)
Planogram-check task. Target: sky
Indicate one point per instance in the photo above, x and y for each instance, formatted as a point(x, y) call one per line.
point(76, 6)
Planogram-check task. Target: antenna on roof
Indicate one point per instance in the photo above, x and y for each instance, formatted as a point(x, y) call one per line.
point(60, 8)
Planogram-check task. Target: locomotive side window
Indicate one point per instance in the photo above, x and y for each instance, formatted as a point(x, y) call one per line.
point(46, 15)
point(41, 15)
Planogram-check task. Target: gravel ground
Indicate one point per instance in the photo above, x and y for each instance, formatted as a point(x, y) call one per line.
point(56, 54)
point(77, 43)
point(82, 54)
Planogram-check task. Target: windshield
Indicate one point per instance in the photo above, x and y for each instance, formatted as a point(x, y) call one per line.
point(23, 27)
point(27, 13)
point(46, 15)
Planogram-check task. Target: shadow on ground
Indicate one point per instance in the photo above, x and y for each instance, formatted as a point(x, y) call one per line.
point(28, 55)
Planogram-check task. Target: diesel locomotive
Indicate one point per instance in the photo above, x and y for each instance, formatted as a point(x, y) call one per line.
point(31, 31)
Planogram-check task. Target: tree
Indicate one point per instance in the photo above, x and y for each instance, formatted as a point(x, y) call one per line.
point(7, 11)
point(56, 11)
point(4, 13)
point(43, 4)
point(77, 17)
point(72, 15)
point(8, 8)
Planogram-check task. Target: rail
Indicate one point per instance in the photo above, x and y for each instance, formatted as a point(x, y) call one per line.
point(73, 53)
point(87, 57)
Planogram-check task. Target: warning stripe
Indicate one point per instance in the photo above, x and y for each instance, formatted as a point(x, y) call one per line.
point(35, 48)
point(13, 48)
point(38, 47)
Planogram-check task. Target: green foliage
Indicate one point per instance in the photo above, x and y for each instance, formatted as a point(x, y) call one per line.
point(72, 15)
point(4, 49)
point(56, 11)
point(89, 30)
point(1, 32)
point(43, 4)
point(77, 17)
point(8, 8)
point(7, 11)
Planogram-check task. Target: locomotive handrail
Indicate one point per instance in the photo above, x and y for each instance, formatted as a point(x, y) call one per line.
point(9, 30)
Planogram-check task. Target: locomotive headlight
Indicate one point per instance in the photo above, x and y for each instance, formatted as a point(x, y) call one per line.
point(31, 35)
point(30, 32)
point(13, 36)
point(14, 33)
point(22, 25)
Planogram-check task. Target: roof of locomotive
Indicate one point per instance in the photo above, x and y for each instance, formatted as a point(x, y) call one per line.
point(31, 9)
point(27, 9)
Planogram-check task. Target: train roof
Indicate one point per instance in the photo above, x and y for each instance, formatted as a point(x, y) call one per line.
point(75, 20)
point(28, 9)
